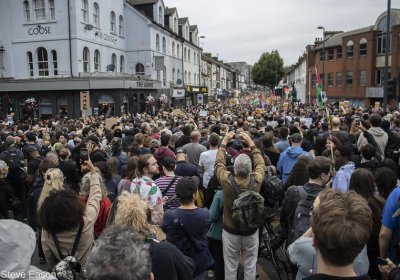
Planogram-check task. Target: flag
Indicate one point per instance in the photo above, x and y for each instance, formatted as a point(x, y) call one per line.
point(319, 89)
point(255, 102)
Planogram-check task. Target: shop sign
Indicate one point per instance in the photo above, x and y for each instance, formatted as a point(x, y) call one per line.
point(107, 37)
point(39, 30)
point(141, 84)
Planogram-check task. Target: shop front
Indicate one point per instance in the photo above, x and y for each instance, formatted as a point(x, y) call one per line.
point(196, 95)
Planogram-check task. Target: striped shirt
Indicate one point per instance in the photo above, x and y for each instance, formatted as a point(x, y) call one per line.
point(173, 201)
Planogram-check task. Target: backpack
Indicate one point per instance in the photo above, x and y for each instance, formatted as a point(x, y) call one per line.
point(68, 268)
point(301, 219)
point(272, 189)
point(248, 208)
point(13, 161)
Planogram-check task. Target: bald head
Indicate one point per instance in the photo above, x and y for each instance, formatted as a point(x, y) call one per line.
point(335, 122)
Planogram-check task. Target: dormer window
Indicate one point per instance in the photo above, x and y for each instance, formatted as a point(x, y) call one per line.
point(160, 15)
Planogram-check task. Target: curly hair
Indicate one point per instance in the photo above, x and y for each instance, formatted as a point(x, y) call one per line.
point(52, 214)
point(134, 212)
point(53, 181)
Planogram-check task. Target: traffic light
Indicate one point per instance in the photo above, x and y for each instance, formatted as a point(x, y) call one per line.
point(10, 108)
point(391, 87)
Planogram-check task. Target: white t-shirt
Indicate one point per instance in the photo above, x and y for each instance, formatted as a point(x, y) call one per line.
point(207, 159)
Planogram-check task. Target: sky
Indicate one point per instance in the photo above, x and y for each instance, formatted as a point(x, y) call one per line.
point(241, 30)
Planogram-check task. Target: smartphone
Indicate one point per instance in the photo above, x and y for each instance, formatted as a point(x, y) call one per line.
point(381, 261)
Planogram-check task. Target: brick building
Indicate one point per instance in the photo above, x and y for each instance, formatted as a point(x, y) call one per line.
point(354, 62)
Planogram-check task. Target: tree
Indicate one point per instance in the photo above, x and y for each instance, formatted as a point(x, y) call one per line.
point(268, 70)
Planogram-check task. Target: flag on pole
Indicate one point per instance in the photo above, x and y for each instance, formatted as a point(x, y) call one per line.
point(319, 89)
point(255, 102)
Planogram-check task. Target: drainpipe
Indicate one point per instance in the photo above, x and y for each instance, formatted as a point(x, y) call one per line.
point(69, 38)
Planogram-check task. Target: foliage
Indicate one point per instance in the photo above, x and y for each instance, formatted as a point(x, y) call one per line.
point(268, 70)
point(30, 105)
point(150, 101)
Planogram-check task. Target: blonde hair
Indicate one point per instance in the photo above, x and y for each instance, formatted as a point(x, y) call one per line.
point(134, 212)
point(53, 181)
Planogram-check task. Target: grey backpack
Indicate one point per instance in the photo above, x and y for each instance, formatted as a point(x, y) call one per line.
point(248, 208)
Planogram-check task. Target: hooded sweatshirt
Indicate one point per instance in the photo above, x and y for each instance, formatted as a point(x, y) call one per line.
point(287, 160)
point(380, 137)
point(17, 244)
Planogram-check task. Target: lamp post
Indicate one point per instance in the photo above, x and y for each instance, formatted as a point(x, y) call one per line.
point(323, 55)
point(201, 37)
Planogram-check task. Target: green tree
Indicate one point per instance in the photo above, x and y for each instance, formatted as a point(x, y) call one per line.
point(268, 70)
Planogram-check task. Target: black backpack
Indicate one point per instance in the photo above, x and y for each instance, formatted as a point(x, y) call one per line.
point(13, 161)
point(271, 189)
point(301, 218)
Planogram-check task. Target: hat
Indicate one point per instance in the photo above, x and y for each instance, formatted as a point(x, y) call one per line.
point(179, 151)
point(397, 213)
point(169, 163)
point(30, 149)
point(296, 137)
point(186, 187)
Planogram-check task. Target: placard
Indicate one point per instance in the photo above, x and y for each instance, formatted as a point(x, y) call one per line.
point(110, 122)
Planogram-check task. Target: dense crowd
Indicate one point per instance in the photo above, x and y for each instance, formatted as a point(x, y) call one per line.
point(181, 194)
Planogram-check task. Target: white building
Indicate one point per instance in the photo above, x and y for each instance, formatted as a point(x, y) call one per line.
point(112, 50)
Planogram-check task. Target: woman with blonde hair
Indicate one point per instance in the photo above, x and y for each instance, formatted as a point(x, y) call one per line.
point(167, 261)
point(53, 181)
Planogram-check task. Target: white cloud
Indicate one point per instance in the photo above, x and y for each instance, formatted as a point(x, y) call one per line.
point(243, 30)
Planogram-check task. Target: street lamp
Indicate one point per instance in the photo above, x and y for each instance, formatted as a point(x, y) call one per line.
point(323, 55)
point(201, 37)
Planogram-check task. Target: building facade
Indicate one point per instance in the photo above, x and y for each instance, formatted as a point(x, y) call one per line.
point(117, 53)
point(351, 64)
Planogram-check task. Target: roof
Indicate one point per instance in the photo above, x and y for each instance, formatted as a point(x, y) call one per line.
point(192, 27)
point(182, 20)
point(169, 11)
point(141, 2)
point(336, 40)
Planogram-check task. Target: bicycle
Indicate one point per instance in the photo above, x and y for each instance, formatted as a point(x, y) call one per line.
point(273, 247)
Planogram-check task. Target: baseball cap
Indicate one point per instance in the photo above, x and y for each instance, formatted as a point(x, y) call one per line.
point(186, 187)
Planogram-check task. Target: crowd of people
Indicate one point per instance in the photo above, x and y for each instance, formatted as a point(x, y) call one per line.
point(156, 196)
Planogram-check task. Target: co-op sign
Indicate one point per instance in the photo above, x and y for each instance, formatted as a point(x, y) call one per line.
point(39, 30)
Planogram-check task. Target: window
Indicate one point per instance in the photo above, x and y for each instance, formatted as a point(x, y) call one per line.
point(194, 79)
point(173, 48)
point(121, 26)
point(85, 11)
point(43, 62)
point(187, 33)
point(158, 76)
point(314, 80)
point(330, 79)
point(178, 74)
point(194, 59)
point(112, 22)
point(40, 10)
point(160, 15)
point(339, 53)
point(349, 49)
point(54, 61)
point(165, 76)
point(52, 10)
point(139, 69)
point(189, 55)
point(114, 62)
point(322, 55)
point(122, 64)
point(362, 78)
point(331, 54)
point(96, 14)
point(349, 78)
point(190, 78)
point(30, 64)
point(338, 79)
point(173, 75)
point(164, 45)
point(27, 12)
point(363, 46)
point(96, 61)
point(178, 51)
point(157, 42)
point(185, 76)
point(381, 38)
point(380, 76)
point(185, 54)
point(175, 25)
point(86, 60)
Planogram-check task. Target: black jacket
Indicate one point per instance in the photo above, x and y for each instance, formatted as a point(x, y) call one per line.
point(292, 198)
point(183, 140)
